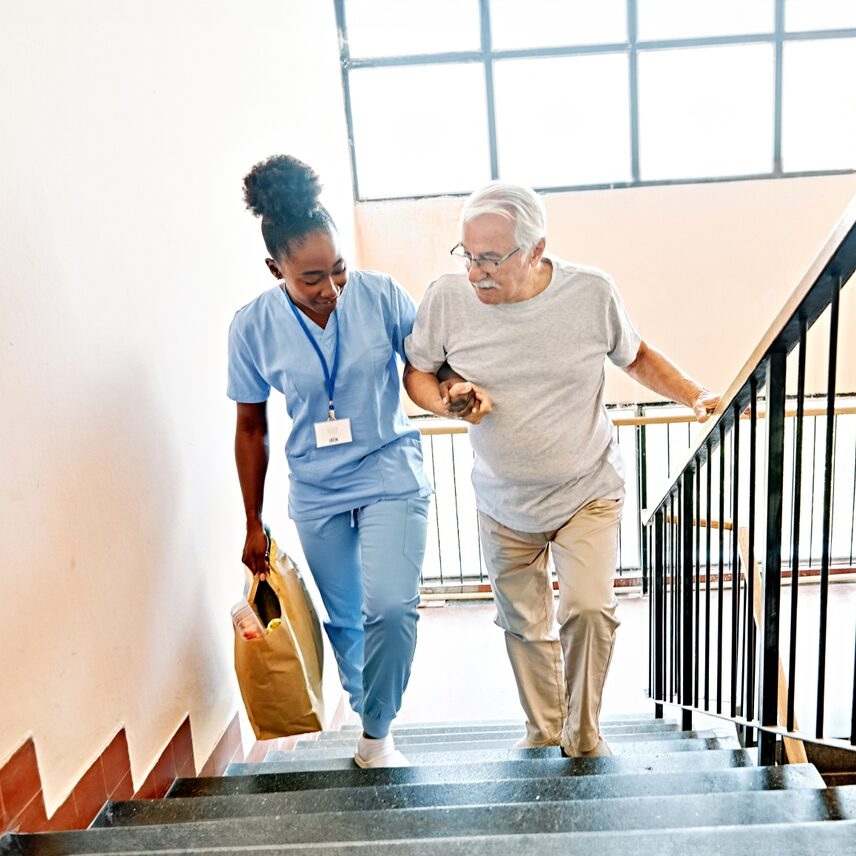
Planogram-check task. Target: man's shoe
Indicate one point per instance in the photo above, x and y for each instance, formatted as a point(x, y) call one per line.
point(601, 749)
point(378, 752)
point(525, 743)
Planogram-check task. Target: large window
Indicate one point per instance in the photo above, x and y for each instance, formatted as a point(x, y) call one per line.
point(442, 95)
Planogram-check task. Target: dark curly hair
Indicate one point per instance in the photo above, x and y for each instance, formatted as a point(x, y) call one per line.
point(284, 192)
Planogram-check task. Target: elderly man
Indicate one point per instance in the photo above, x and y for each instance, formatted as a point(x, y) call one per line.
point(519, 343)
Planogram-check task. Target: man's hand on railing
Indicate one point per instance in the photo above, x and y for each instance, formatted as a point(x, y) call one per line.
point(465, 401)
point(705, 404)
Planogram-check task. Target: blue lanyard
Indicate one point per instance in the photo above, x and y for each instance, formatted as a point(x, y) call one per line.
point(329, 378)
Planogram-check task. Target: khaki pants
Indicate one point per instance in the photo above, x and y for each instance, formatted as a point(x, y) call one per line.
point(561, 668)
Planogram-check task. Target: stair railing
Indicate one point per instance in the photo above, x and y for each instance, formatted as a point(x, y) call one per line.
point(708, 652)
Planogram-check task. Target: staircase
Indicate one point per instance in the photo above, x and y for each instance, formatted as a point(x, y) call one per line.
point(664, 791)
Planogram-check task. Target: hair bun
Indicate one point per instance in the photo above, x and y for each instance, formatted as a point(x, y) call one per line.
point(282, 188)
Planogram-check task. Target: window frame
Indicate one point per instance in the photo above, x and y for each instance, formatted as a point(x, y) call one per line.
point(486, 56)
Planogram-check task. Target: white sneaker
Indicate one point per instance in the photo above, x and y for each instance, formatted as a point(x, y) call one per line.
point(378, 752)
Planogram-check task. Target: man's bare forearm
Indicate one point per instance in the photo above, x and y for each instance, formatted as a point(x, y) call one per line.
point(424, 390)
point(654, 370)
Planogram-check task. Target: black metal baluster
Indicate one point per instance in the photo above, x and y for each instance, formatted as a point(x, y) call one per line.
point(853, 704)
point(735, 559)
point(813, 491)
point(696, 551)
point(651, 628)
point(673, 593)
point(457, 512)
point(620, 528)
point(659, 591)
point(827, 509)
point(795, 526)
point(772, 582)
point(642, 491)
point(670, 525)
point(708, 497)
point(853, 509)
point(436, 508)
point(687, 592)
point(668, 450)
point(749, 637)
point(677, 585)
point(720, 583)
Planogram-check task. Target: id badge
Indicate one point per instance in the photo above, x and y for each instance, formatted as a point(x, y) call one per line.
point(332, 432)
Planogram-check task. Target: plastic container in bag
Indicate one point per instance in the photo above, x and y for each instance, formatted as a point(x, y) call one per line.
point(246, 621)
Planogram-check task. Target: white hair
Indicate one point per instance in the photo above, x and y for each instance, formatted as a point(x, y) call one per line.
point(517, 203)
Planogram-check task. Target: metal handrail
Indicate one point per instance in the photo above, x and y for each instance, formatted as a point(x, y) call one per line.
point(833, 265)
point(673, 532)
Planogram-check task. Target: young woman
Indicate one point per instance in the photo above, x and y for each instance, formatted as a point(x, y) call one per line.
point(327, 340)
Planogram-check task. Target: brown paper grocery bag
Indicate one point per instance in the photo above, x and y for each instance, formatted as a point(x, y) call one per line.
point(279, 674)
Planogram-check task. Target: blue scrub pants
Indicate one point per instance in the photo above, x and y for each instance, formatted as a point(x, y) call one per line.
point(366, 564)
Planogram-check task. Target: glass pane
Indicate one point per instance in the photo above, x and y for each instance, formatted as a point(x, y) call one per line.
point(587, 141)
point(420, 129)
point(547, 23)
point(379, 28)
point(819, 105)
point(678, 19)
point(819, 14)
point(706, 112)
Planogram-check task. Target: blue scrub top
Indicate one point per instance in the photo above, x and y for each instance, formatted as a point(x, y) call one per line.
point(268, 348)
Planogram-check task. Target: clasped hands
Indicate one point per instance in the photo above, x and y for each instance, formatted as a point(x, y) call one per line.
point(464, 400)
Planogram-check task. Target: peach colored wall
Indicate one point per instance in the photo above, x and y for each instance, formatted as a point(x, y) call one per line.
point(703, 268)
point(128, 125)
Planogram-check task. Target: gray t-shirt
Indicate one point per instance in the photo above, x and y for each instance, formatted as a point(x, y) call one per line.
point(546, 449)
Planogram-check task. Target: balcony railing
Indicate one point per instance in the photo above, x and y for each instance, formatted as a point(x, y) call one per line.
point(654, 440)
point(756, 503)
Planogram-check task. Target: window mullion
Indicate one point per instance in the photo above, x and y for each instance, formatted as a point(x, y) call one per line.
point(487, 59)
point(633, 72)
point(345, 62)
point(777, 108)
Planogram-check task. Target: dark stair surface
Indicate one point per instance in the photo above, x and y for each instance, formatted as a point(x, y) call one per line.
point(470, 792)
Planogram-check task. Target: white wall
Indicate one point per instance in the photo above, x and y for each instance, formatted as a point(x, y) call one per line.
point(703, 268)
point(127, 128)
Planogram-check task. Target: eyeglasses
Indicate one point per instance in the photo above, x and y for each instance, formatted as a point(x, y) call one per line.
point(485, 264)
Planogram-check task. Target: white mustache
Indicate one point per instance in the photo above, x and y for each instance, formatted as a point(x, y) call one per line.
point(485, 284)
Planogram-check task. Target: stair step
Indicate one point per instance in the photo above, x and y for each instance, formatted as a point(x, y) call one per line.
point(436, 743)
point(742, 809)
point(484, 771)
point(495, 738)
point(474, 729)
point(473, 754)
point(605, 719)
point(184, 810)
point(823, 838)
point(613, 732)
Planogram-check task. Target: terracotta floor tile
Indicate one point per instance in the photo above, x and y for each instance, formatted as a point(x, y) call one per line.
point(90, 793)
point(124, 790)
point(224, 750)
point(65, 817)
point(115, 762)
point(20, 780)
point(187, 770)
point(33, 817)
point(160, 778)
point(182, 744)
point(4, 820)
